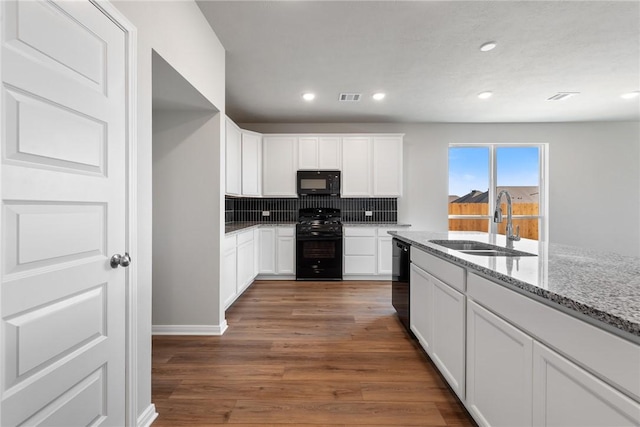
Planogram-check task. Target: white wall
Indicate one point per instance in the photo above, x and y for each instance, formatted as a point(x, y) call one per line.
point(184, 289)
point(594, 174)
point(178, 31)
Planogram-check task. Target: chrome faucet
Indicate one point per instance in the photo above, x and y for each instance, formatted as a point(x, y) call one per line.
point(497, 218)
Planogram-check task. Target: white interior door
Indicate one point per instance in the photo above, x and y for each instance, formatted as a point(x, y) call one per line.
point(63, 215)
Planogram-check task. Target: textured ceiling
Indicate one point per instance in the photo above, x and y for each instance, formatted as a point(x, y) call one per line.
point(425, 56)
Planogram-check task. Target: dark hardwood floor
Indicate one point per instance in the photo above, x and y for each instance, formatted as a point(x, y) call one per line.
point(303, 354)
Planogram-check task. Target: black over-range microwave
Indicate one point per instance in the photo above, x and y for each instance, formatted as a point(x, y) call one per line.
point(318, 182)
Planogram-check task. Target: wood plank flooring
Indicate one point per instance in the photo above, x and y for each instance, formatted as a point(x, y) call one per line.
point(303, 354)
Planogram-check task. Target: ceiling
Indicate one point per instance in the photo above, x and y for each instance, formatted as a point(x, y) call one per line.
point(425, 56)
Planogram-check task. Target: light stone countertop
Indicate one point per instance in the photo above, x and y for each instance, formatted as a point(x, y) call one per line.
point(236, 227)
point(599, 287)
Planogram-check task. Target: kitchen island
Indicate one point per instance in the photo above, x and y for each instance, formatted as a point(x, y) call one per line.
point(552, 338)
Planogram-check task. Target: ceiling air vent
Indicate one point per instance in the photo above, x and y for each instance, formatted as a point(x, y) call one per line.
point(350, 97)
point(560, 96)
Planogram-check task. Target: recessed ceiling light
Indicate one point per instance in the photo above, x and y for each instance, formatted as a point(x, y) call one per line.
point(485, 95)
point(378, 96)
point(630, 95)
point(308, 96)
point(488, 46)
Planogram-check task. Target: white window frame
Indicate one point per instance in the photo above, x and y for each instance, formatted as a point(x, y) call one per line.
point(543, 207)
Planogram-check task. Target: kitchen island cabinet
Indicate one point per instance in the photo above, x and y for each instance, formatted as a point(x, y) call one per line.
point(538, 350)
point(438, 318)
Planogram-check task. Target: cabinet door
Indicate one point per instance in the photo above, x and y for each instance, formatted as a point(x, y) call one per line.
point(499, 370)
point(280, 155)
point(245, 266)
point(233, 159)
point(308, 153)
point(228, 289)
point(267, 242)
point(330, 153)
point(449, 334)
point(421, 306)
point(387, 166)
point(256, 252)
point(286, 257)
point(565, 395)
point(251, 164)
point(384, 253)
point(356, 166)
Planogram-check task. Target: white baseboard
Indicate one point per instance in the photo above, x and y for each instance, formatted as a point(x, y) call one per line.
point(148, 416)
point(189, 329)
point(274, 277)
point(377, 278)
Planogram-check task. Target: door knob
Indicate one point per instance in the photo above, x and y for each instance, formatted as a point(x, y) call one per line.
point(120, 260)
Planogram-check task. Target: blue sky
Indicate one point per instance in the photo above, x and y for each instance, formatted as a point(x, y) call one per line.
point(469, 168)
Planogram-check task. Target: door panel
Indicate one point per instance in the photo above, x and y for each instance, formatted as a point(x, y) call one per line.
point(47, 134)
point(63, 215)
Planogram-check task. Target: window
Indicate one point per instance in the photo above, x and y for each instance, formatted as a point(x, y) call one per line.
point(478, 173)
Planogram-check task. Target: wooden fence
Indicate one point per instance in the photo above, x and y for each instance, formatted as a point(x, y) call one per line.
point(528, 227)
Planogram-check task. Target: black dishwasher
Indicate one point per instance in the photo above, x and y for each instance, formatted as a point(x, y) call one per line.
point(400, 280)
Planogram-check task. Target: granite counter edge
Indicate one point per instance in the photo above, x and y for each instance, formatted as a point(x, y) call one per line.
point(607, 321)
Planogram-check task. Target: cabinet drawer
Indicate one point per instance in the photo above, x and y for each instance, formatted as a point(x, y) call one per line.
point(360, 231)
point(229, 243)
point(360, 246)
point(449, 273)
point(286, 231)
point(360, 265)
point(614, 359)
point(244, 237)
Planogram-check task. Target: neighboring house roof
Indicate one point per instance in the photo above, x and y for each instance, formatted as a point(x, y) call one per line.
point(518, 195)
point(452, 198)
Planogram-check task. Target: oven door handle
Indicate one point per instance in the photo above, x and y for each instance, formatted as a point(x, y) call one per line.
point(317, 237)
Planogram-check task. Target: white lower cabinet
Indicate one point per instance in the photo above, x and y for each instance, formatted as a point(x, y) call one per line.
point(385, 252)
point(499, 373)
point(360, 251)
point(239, 265)
point(267, 244)
point(245, 253)
point(277, 254)
point(502, 374)
point(437, 320)
point(449, 335)
point(367, 253)
point(286, 250)
point(566, 395)
point(228, 288)
point(421, 306)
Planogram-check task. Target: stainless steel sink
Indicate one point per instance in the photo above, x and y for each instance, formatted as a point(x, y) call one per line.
point(471, 247)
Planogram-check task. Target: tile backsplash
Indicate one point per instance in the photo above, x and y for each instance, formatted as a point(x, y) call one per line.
point(383, 209)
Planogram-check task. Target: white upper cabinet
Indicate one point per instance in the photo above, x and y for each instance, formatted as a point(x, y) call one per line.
point(319, 152)
point(372, 166)
point(387, 166)
point(280, 164)
point(233, 159)
point(330, 153)
point(251, 163)
point(266, 165)
point(356, 166)
point(308, 152)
